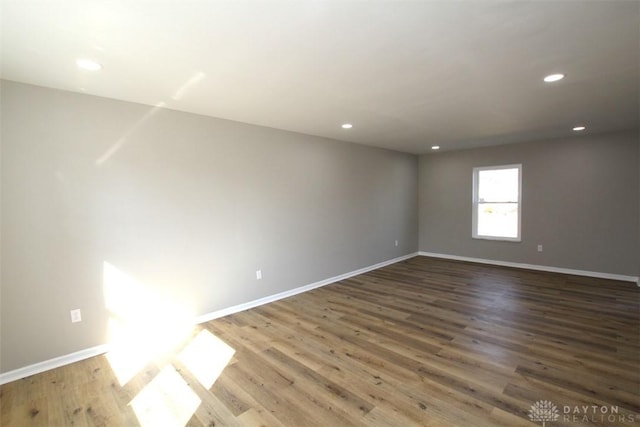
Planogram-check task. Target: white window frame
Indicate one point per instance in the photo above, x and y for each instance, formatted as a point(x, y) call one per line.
point(476, 202)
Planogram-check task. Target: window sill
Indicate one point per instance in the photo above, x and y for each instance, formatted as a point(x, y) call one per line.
point(499, 239)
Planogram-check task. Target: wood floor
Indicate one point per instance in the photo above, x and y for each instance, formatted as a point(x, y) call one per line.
point(422, 342)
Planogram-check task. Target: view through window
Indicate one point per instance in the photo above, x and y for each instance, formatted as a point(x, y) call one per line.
point(496, 202)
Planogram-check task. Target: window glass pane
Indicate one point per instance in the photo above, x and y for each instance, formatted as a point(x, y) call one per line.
point(500, 185)
point(498, 219)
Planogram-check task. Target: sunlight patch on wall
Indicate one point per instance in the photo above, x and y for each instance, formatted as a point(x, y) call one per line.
point(150, 329)
point(167, 401)
point(206, 356)
point(143, 325)
point(177, 96)
point(195, 79)
point(124, 138)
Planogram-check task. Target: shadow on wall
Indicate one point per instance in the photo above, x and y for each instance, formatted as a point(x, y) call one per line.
point(146, 329)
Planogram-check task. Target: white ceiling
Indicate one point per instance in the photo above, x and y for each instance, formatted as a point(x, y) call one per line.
point(408, 75)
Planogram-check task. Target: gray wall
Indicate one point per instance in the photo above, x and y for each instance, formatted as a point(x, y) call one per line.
point(191, 206)
point(188, 206)
point(580, 201)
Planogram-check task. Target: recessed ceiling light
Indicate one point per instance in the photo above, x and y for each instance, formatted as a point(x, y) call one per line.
point(435, 147)
point(347, 126)
point(579, 128)
point(554, 77)
point(88, 64)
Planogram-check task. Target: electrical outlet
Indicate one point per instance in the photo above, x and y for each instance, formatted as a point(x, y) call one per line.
point(539, 248)
point(258, 274)
point(76, 315)
point(396, 243)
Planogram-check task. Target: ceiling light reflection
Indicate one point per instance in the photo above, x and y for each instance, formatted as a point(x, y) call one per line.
point(554, 77)
point(88, 64)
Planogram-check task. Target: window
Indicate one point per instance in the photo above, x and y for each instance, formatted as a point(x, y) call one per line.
point(496, 202)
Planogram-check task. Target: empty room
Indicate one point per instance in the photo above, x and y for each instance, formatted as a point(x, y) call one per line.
point(319, 213)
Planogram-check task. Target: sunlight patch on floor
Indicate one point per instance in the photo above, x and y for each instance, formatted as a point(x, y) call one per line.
point(147, 328)
point(206, 356)
point(167, 401)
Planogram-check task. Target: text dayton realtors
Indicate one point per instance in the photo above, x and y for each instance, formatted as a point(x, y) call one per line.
point(596, 414)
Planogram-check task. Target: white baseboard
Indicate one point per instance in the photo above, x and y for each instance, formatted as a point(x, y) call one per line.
point(261, 301)
point(57, 362)
point(536, 267)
